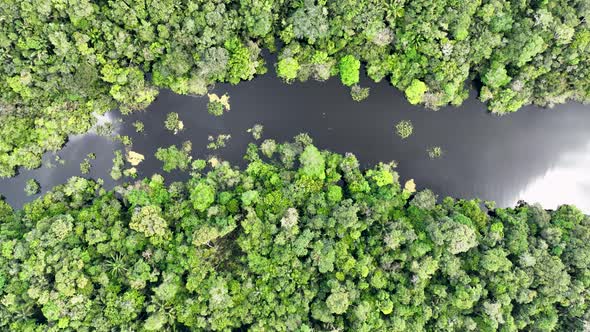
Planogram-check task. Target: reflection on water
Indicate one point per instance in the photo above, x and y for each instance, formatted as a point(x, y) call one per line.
point(58, 167)
point(568, 180)
point(535, 154)
point(110, 119)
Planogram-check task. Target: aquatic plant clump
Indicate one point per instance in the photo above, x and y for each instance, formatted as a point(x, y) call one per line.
point(218, 142)
point(32, 187)
point(217, 105)
point(139, 126)
point(173, 123)
point(302, 241)
point(435, 152)
point(174, 158)
point(359, 93)
point(404, 129)
point(256, 131)
point(62, 64)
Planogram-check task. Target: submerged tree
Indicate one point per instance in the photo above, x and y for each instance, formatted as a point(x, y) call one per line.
point(435, 152)
point(85, 164)
point(118, 163)
point(358, 93)
point(217, 105)
point(173, 123)
point(139, 126)
point(256, 131)
point(218, 142)
point(174, 158)
point(32, 187)
point(404, 129)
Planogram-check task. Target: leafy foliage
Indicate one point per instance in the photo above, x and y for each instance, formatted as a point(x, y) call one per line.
point(217, 104)
point(63, 62)
point(435, 152)
point(85, 165)
point(359, 93)
point(287, 68)
point(281, 246)
point(256, 131)
point(173, 123)
point(118, 163)
point(415, 92)
point(32, 187)
point(174, 158)
point(215, 108)
point(139, 126)
point(349, 70)
point(218, 142)
point(404, 129)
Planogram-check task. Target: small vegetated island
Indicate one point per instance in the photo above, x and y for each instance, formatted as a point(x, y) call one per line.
point(62, 62)
point(300, 240)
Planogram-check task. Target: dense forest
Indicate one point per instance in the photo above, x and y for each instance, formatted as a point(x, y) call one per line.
point(62, 62)
point(300, 240)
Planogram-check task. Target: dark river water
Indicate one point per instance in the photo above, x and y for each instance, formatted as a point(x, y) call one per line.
point(538, 155)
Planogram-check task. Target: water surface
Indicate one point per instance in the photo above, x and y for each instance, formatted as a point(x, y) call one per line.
point(538, 155)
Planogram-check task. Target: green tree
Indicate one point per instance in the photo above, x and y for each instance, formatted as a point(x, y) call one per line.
point(174, 158)
point(349, 70)
point(313, 163)
point(287, 68)
point(202, 196)
point(415, 92)
point(358, 93)
point(149, 222)
point(32, 187)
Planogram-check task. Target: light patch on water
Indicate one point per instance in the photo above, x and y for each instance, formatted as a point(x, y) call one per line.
point(568, 182)
point(106, 118)
point(102, 119)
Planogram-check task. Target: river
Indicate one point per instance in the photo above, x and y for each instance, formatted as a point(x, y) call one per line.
point(537, 155)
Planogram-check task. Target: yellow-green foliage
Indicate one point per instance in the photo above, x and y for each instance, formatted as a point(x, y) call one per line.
point(404, 128)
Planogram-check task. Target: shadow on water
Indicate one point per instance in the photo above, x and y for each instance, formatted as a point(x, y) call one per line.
point(538, 155)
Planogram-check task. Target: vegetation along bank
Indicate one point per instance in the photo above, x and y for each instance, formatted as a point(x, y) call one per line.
point(300, 240)
point(62, 62)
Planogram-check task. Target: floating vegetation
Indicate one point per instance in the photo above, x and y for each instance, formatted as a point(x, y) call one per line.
point(124, 139)
point(173, 123)
point(139, 126)
point(85, 167)
point(59, 160)
point(85, 164)
point(358, 93)
point(217, 105)
point(218, 142)
point(174, 158)
point(404, 129)
point(130, 172)
point(32, 187)
point(256, 131)
point(435, 152)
